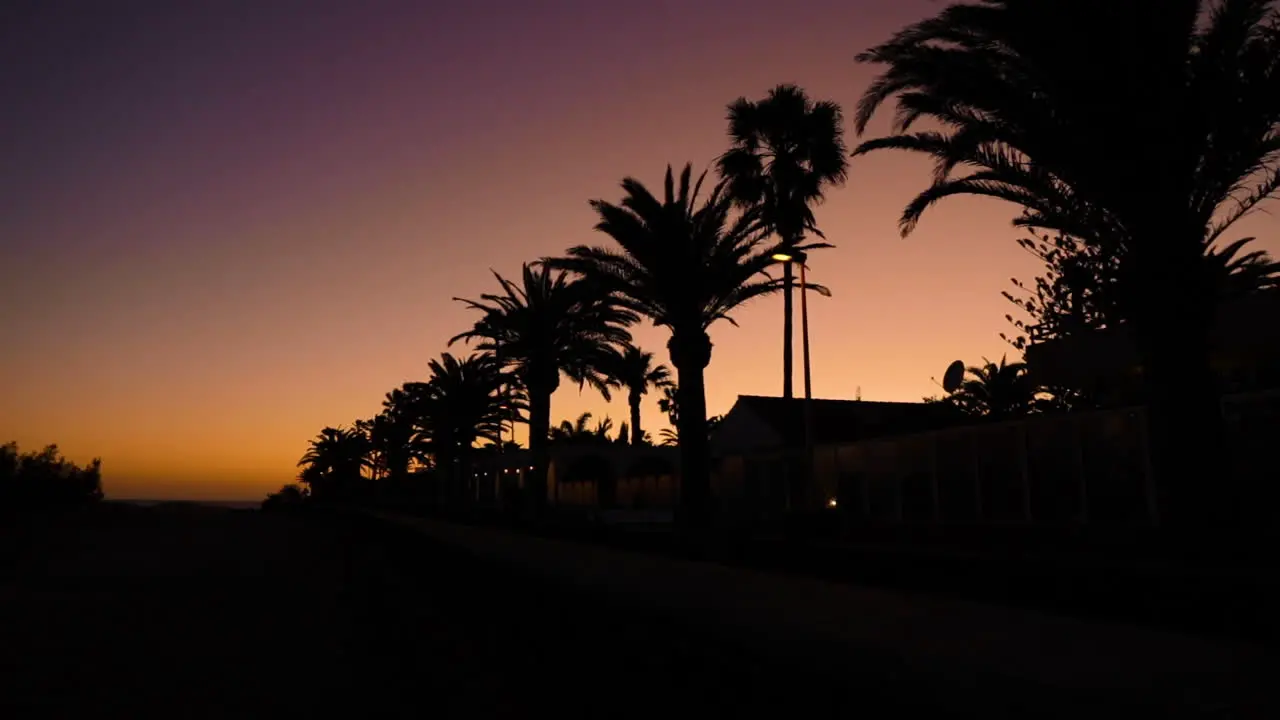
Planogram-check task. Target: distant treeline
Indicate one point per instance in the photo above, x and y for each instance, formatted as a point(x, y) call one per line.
point(45, 479)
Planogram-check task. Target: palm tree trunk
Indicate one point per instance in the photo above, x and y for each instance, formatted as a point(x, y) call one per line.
point(691, 354)
point(787, 302)
point(539, 447)
point(1185, 425)
point(1173, 330)
point(695, 450)
point(633, 401)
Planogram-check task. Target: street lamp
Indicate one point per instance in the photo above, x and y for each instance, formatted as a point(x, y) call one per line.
point(798, 257)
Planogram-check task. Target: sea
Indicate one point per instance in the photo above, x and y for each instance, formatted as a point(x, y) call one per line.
point(231, 504)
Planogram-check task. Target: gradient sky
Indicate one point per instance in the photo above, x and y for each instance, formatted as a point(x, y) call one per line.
point(225, 225)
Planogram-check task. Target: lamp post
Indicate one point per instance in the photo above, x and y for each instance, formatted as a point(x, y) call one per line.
point(799, 258)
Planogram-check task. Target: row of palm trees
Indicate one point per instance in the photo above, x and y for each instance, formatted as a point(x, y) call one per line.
point(464, 408)
point(1143, 129)
point(682, 258)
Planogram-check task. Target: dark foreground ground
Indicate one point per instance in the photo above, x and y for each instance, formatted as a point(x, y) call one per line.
point(184, 611)
point(195, 612)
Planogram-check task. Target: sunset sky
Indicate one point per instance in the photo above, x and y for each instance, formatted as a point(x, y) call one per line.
point(227, 224)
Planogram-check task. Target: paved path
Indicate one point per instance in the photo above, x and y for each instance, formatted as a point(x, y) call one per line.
point(966, 655)
point(202, 613)
point(206, 613)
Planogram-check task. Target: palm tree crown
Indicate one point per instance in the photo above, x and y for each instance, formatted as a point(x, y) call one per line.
point(464, 402)
point(684, 265)
point(543, 326)
point(580, 430)
point(334, 460)
point(637, 373)
point(998, 391)
point(1150, 146)
point(786, 150)
point(1244, 273)
point(550, 324)
point(1074, 142)
point(395, 433)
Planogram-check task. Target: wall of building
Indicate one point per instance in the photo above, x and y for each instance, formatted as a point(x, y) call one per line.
point(614, 476)
point(1081, 468)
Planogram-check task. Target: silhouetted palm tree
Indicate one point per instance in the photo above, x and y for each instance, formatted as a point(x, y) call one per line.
point(672, 437)
point(1242, 274)
point(670, 404)
point(313, 476)
point(395, 433)
point(602, 429)
point(544, 326)
point(581, 431)
point(335, 461)
point(374, 460)
point(624, 435)
point(637, 373)
point(787, 150)
point(576, 430)
point(1165, 137)
point(463, 402)
point(997, 391)
point(683, 264)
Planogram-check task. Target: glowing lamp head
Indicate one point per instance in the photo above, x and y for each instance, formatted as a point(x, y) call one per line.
point(782, 257)
point(831, 502)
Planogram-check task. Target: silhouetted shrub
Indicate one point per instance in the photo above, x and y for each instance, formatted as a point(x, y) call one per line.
point(289, 497)
point(45, 479)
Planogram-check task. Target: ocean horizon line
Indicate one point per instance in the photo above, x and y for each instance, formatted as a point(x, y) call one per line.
point(149, 502)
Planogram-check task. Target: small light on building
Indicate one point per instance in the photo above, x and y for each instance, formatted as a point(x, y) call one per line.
point(530, 467)
point(831, 502)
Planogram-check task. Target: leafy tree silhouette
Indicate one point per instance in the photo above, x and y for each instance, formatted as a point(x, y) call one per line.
point(1077, 291)
point(289, 497)
point(45, 480)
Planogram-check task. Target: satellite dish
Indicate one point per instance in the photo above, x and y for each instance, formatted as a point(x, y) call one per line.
point(954, 377)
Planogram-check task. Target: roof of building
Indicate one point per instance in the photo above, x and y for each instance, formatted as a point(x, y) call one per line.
point(837, 421)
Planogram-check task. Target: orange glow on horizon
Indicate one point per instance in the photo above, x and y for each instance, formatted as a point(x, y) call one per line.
point(259, 250)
